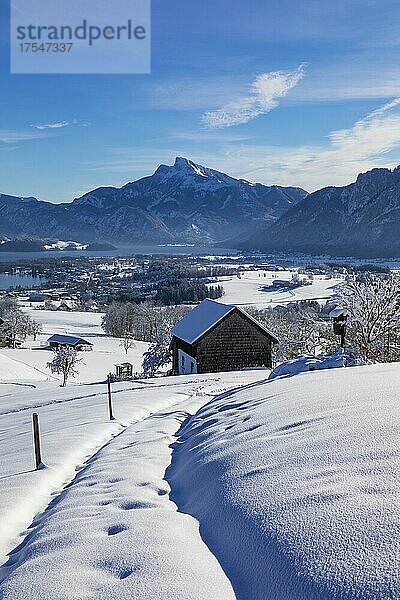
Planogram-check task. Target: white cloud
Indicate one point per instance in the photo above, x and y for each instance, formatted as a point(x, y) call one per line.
point(57, 125)
point(11, 136)
point(373, 141)
point(264, 93)
point(61, 124)
point(370, 142)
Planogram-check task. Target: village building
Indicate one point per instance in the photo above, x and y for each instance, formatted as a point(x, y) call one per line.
point(216, 337)
point(65, 306)
point(39, 297)
point(64, 341)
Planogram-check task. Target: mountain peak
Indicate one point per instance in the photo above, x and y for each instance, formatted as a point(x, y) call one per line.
point(189, 166)
point(181, 162)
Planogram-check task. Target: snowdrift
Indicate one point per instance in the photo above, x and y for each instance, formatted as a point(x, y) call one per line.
point(295, 484)
point(308, 362)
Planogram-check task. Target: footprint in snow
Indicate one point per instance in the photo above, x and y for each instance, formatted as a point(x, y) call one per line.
point(136, 505)
point(114, 529)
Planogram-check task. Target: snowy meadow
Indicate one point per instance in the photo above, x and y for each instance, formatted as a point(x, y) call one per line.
point(218, 486)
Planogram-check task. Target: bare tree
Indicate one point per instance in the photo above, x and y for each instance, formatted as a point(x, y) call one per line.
point(127, 342)
point(35, 329)
point(374, 305)
point(65, 363)
point(143, 321)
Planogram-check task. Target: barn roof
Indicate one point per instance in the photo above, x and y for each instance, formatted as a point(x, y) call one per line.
point(339, 312)
point(205, 316)
point(71, 340)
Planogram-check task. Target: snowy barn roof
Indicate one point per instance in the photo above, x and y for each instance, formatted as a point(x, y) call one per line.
point(339, 312)
point(202, 318)
point(68, 340)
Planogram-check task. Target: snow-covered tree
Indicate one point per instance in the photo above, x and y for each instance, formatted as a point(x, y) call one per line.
point(374, 305)
point(17, 325)
point(300, 329)
point(158, 355)
point(65, 363)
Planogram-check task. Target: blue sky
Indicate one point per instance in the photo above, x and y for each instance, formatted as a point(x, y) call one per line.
point(292, 93)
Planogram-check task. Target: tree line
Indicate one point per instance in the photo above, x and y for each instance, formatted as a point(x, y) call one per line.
point(179, 291)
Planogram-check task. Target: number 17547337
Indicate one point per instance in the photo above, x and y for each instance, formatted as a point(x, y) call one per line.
point(46, 47)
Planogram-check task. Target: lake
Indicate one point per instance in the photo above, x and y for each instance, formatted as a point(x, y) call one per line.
point(170, 250)
point(25, 281)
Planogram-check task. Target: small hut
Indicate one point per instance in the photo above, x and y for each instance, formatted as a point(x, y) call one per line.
point(216, 337)
point(124, 370)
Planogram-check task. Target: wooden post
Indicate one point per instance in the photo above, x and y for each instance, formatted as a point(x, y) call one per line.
point(36, 440)
point(110, 411)
point(343, 336)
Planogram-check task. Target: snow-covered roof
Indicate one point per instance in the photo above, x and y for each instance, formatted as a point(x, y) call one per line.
point(70, 340)
point(339, 312)
point(202, 318)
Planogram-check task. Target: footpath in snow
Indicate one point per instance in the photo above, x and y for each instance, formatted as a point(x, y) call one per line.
point(105, 528)
point(287, 489)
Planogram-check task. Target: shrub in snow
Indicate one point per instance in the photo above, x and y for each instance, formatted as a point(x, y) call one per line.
point(65, 363)
point(308, 363)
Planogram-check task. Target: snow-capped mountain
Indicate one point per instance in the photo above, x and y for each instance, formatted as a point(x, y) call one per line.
point(183, 203)
point(362, 218)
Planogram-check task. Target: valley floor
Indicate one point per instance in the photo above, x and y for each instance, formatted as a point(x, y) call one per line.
point(255, 288)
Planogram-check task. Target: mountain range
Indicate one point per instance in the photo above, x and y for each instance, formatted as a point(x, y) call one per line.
point(187, 203)
point(183, 203)
point(360, 219)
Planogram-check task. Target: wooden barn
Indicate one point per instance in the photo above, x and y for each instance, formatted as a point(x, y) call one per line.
point(63, 341)
point(217, 337)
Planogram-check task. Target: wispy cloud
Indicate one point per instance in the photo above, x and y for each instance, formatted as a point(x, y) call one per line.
point(371, 142)
point(263, 96)
point(9, 136)
point(60, 124)
point(57, 125)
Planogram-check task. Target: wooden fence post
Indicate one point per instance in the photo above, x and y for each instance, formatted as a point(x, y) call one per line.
point(36, 441)
point(110, 411)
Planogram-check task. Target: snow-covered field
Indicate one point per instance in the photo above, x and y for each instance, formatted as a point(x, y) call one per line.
point(98, 520)
point(204, 487)
point(96, 364)
point(256, 290)
point(296, 485)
